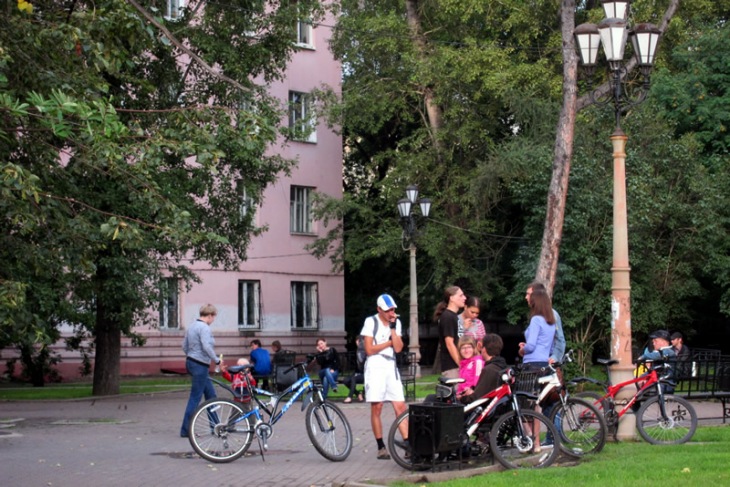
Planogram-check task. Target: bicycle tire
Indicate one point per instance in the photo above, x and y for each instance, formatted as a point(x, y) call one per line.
point(581, 426)
point(513, 450)
point(400, 449)
point(217, 433)
point(329, 431)
point(595, 398)
point(678, 428)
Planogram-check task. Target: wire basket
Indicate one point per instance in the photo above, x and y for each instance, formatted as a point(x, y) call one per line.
point(526, 381)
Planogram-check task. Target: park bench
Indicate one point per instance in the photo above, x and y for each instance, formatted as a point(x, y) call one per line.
point(705, 377)
point(405, 361)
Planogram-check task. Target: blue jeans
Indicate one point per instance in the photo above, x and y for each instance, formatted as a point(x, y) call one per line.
point(201, 386)
point(329, 379)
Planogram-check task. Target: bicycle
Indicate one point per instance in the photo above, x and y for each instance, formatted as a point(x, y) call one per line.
point(222, 430)
point(661, 419)
point(514, 437)
point(581, 426)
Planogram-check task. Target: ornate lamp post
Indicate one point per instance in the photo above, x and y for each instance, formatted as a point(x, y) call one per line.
point(612, 32)
point(410, 221)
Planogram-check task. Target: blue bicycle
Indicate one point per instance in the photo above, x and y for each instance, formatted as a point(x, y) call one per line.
point(222, 430)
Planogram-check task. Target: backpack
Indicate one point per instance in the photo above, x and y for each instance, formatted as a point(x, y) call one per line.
point(361, 355)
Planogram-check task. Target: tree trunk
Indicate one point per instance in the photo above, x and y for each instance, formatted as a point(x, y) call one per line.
point(563, 153)
point(107, 359)
point(108, 335)
point(434, 112)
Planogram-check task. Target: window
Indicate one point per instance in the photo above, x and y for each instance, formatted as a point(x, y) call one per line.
point(173, 9)
point(300, 209)
point(304, 305)
point(169, 303)
point(248, 119)
point(301, 117)
point(249, 304)
point(246, 202)
point(304, 33)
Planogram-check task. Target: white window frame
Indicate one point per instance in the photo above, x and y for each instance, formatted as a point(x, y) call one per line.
point(169, 303)
point(173, 7)
point(304, 305)
point(246, 202)
point(305, 34)
point(302, 122)
point(300, 210)
point(249, 314)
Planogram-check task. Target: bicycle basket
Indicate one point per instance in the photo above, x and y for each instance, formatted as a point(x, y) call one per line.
point(526, 381)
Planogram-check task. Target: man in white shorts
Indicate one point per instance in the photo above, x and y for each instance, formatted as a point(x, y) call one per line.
point(382, 337)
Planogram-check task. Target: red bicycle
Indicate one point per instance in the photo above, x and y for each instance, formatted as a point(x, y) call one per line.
point(661, 418)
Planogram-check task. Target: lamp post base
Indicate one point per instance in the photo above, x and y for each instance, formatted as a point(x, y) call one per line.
point(627, 423)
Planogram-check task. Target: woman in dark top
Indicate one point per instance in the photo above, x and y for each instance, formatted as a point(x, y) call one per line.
point(329, 365)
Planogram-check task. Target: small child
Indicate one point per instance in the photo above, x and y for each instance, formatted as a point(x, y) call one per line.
point(470, 366)
point(237, 382)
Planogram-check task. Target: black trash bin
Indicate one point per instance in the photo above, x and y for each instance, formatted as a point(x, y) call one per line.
point(435, 428)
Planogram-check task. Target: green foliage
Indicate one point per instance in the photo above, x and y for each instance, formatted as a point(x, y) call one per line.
point(697, 98)
point(495, 70)
point(120, 156)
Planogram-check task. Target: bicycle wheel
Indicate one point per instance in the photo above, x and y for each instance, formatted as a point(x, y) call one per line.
point(218, 431)
point(400, 450)
point(329, 430)
point(516, 440)
point(581, 426)
point(594, 398)
point(676, 428)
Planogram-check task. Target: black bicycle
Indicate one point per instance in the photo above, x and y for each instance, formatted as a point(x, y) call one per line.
point(221, 430)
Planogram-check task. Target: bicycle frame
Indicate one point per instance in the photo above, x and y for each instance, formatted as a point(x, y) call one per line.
point(650, 379)
point(494, 398)
point(302, 386)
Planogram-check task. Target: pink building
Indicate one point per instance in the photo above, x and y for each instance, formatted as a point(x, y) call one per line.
point(281, 292)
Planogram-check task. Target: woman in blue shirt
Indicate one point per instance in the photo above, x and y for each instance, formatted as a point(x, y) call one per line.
point(540, 334)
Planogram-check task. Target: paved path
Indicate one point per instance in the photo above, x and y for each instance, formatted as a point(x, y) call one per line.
point(133, 440)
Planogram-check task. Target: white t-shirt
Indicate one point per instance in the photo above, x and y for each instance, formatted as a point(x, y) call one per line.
point(385, 357)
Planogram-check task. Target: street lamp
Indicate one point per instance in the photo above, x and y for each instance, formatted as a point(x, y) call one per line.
point(612, 33)
point(410, 221)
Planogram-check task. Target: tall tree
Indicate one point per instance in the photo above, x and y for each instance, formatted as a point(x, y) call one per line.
point(125, 138)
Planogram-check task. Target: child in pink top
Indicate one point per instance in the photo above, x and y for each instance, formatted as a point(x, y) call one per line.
point(470, 366)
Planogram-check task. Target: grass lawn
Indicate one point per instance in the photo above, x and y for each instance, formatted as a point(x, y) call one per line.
point(704, 461)
point(13, 391)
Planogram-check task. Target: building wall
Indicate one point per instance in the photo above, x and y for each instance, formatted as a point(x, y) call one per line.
point(275, 258)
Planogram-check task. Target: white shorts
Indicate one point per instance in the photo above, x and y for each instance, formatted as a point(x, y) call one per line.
point(381, 385)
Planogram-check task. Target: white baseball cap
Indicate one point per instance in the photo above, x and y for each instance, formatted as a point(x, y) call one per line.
point(386, 302)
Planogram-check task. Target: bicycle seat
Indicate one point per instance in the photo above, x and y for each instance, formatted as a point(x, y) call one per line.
point(607, 361)
point(450, 382)
point(234, 369)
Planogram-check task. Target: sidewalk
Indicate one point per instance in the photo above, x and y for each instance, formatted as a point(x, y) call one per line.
point(133, 440)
